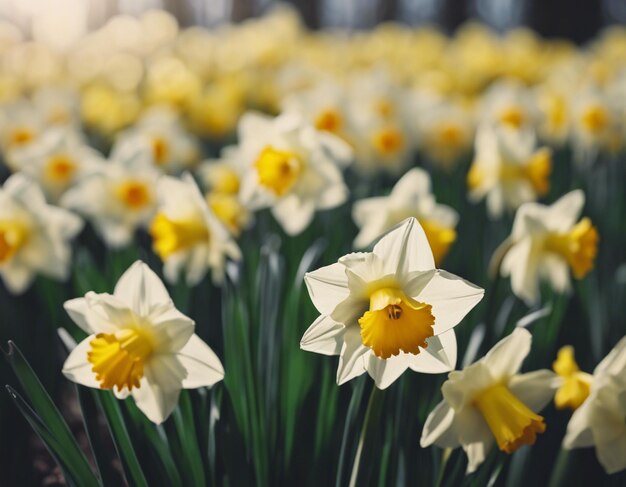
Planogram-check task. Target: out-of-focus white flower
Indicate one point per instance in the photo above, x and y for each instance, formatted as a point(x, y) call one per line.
point(139, 344)
point(411, 196)
point(118, 199)
point(381, 136)
point(221, 178)
point(489, 400)
point(57, 160)
point(508, 169)
point(601, 419)
point(324, 106)
point(553, 113)
point(545, 243)
point(160, 133)
point(20, 125)
point(292, 168)
point(445, 130)
point(595, 125)
point(389, 310)
point(57, 106)
point(187, 235)
point(34, 236)
point(508, 105)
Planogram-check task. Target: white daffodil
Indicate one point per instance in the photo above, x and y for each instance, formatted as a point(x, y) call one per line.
point(58, 106)
point(139, 344)
point(160, 133)
point(411, 196)
point(292, 168)
point(444, 129)
point(187, 235)
point(595, 125)
point(601, 419)
point(389, 310)
point(546, 241)
point(489, 400)
point(221, 178)
point(554, 113)
point(118, 199)
point(324, 106)
point(508, 170)
point(34, 236)
point(57, 160)
point(20, 125)
point(507, 104)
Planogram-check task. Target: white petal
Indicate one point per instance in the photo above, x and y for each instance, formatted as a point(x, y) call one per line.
point(612, 454)
point(202, 365)
point(579, 433)
point(521, 263)
point(405, 249)
point(352, 355)
point(535, 389)
point(476, 453)
point(451, 299)
point(564, 212)
point(615, 362)
point(414, 183)
point(17, 278)
point(77, 309)
point(506, 356)
point(474, 435)
point(154, 402)
point(77, 368)
point(439, 428)
point(172, 329)
point(385, 372)
point(324, 336)
point(327, 286)
point(293, 214)
point(107, 313)
point(439, 357)
point(141, 289)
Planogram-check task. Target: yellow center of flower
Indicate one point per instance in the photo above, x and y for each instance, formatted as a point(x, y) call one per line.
point(395, 323)
point(278, 170)
point(595, 119)
point(134, 194)
point(439, 237)
point(513, 116)
point(171, 236)
point(60, 169)
point(13, 235)
point(224, 180)
point(118, 358)
point(329, 120)
point(388, 141)
point(21, 136)
point(450, 134)
point(160, 149)
point(557, 112)
point(228, 209)
point(576, 384)
point(578, 247)
point(384, 108)
point(512, 423)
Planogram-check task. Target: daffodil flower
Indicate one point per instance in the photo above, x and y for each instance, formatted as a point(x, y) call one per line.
point(601, 419)
point(34, 236)
point(58, 160)
point(575, 384)
point(186, 233)
point(545, 243)
point(389, 310)
point(160, 133)
point(118, 199)
point(489, 401)
point(411, 196)
point(291, 168)
point(139, 344)
point(507, 169)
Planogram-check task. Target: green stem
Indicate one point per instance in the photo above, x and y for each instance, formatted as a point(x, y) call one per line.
point(559, 473)
point(365, 441)
point(442, 467)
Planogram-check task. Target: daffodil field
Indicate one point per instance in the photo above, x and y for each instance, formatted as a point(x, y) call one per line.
point(265, 255)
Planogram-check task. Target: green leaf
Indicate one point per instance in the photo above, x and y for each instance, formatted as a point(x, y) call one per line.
point(50, 416)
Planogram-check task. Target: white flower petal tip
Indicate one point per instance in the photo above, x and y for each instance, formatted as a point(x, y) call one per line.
point(324, 336)
point(139, 345)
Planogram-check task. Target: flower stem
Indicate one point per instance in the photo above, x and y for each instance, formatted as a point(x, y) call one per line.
point(372, 414)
